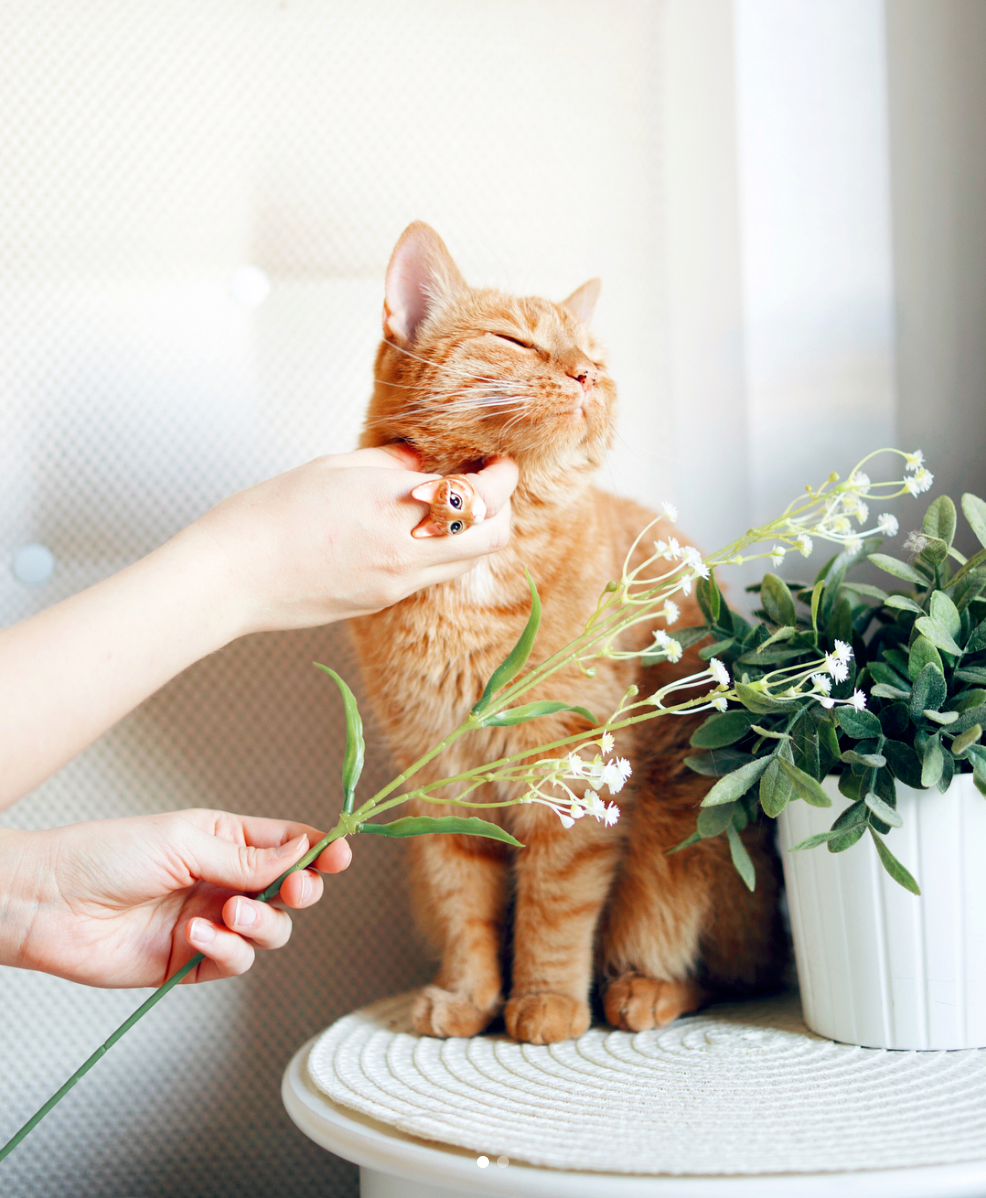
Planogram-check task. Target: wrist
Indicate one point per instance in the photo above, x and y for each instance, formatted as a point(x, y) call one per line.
point(20, 901)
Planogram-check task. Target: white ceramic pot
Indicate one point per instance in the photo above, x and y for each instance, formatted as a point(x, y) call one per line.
point(877, 965)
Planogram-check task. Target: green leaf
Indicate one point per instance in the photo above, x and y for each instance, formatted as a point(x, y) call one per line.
point(816, 598)
point(922, 652)
point(940, 717)
point(873, 761)
point(777, 601)
point(946, 613)
point(811, 842)
point(516, 659)
point(858, 724)
point(709, 598)
point(933, 554)
point(933, 761)
point(883, 810)
point(902, 603)
point(716, 650)
point(940, 519)
point(904, 762)
point(714, 820)
point(776, 790)
point(685, 844)
point(852, 824)
point(968, 588)
point(972, 674)
point(938, 634)
point(352, 764)
point(890, 565)
point(736, 784)
point(929, 690)
point(722, 729)
point(970, 567)
point(839, 626)
point(895, 720)
point(971, 736)
point(974, 715)
point(977, 639)
point(893, 866)
point(741, 859)
point(425, 825)
point(531, 711)
point(770, 733)
point(805, 787)
point(754, 699)
point(717, 762)
point(974, 511)
point(865, 589)
point(883, 691)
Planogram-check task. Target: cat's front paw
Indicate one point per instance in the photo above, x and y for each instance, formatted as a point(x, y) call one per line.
point(637, 1004)
point(443, 1013)
point(546, 1018)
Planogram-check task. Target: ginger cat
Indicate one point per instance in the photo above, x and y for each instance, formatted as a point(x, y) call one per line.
point(464, 374)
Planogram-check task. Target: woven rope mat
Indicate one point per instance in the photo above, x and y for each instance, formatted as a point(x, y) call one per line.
point(738, 1089)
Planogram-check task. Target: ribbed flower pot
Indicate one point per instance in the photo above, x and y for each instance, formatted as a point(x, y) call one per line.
point(877, 965)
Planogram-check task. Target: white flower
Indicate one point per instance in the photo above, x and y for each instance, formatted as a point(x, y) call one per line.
point(691, 555)
point(593, 804)
point(853, 545)
point(827, 703)
point(860, 482)
point(566, 820)
point(576, 766)
point(841, 525)
point(610, 815)
point(777, 554)
point(686, 585)
point(670, 612)
point(921, 481)
point(660, 547)
point(859, 700)
point(719, 702)
point(862, 512)
point(887, 524)
point(822, 683)
point(837, 662)
point(805, 545)
point(606, 742)
point(670, 511)
point(615, 774)
point(661, 638)
point(673, 649)
point(842, 652)
point(575, 811)
point(673, 551)
point(719, 671)
point(914, 459)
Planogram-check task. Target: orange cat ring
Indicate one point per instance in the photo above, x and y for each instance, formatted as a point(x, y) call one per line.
point(455, 506)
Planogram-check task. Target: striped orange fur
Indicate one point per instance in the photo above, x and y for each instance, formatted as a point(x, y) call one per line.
point(466, 374)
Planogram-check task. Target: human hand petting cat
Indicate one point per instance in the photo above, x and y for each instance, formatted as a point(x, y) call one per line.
point(325, 541)
point(126, 902)
point(332, 539)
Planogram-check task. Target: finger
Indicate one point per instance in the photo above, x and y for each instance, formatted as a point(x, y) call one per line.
point(227, 955)
point(334, 859)
point(301, 889)
point(265, 926)
point(496, 482)
point(398, 455)
point(241, 866)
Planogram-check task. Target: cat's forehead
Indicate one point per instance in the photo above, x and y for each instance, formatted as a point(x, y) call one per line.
point(548, 324)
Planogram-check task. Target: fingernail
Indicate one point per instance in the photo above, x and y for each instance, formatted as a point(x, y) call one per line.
point(294, 848)
point(201, 931)
point(244, 914)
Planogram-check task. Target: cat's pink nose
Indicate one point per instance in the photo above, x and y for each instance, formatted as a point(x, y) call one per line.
point(585, 376)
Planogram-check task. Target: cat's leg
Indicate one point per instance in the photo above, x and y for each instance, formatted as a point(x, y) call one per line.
point(563, 878)
point(460, 888)
point(651, 938)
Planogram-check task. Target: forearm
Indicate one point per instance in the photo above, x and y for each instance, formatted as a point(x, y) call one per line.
point(69, 673)
point(18, 902)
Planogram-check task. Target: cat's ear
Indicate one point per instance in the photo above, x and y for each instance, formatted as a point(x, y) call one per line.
point(582, 302)
point(421, 273)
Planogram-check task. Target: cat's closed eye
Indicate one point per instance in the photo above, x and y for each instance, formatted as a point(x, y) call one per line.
point(514, 340)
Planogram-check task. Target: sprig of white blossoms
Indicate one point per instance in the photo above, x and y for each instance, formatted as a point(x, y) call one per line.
point(562, 773)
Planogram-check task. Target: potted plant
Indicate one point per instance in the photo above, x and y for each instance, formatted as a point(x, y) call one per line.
point(889, 954)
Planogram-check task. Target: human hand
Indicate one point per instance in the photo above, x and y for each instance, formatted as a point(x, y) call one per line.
point(126, 902)
point(332, 539)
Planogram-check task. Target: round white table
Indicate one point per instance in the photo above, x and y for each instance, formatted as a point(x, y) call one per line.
point(449, 1088)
